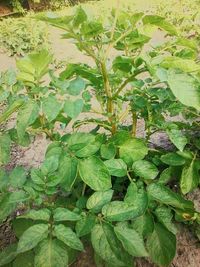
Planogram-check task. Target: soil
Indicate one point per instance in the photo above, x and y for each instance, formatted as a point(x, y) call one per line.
point(188, 249)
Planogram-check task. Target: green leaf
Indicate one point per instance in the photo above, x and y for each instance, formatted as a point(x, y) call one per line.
point(76, 86)
point(50, 165)
point(41, 215)
point(160, 22)
point(131, 241)
point(161, 245)
point(166, 196)
point(20, 225)
point(173, 159)
point(185, 88)
point(51, 253)
point(102, 247)
point(8, 254)
point(68, 172)
point(98, 199)
point(94, 173)
point(11, 109)
point(73, 108)
point(145, 169)
point(62, 214)
point(51, 107)
point(31, 237)
point(91, 29)
point(25, 259)
point(37, 177)
point(165, 216)
point(186, 65)
point(133, 150)
point(3, 180)
point(18, 197)
point(144, 224)
point(189, 177)
point(85, 225)
point(17, 177)
point(116, 167)
point(123, 63)
point(136, 196)
point(26, 116)
point(5, 144)
point(165, 176)
point(79, 17)
point(177, 138)
point(67, 236)
point(6, 207)
point(108, 151)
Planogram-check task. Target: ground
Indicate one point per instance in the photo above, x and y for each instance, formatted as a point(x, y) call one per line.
point(188, 248)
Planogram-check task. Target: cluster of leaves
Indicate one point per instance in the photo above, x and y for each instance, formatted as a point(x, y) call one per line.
point(106, 186)
point(22, 36)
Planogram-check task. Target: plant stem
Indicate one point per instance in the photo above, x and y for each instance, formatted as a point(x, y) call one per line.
point(83, 190)
point(134, 124)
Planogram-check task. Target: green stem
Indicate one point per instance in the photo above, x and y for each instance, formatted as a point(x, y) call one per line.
point(134, 123)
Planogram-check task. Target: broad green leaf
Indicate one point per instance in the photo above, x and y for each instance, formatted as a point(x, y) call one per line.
point(161, 245)
point(50, 165)
point(73, 108)
point(18, 197)
point(160, 22)
point(136, 196)
point(108, 151)
point(94, 173)
point(37, 177)
point(91, 29)
point(20, 225)
point(164, 195)
point(85, 225)
point(67, 236)
point(186, 65)
point(8, 254)
point(133, 150)
point(102, 247)
point(165, 176)
point(76, 86)
point(17, 177)
point(5, 144)
point(116, 167)
point(116, 245)
point(41, 215)
point(144, 224)
point(145, 169)
point(173, 159)
point(25, 259)
point(165, 216)
point(6, 207)
point(68, 172)
point(123, 63)
point(63, 214)
point(79, 17)
point(11, 109)
point(131, 241)
point(51, 253)
point(98, 199)
point(185, 88)
point(31, 237)
point(3, 180)
point(26, 116)
point(51, 107)
point(78, 141)
point(189, 177)
point(177, 138)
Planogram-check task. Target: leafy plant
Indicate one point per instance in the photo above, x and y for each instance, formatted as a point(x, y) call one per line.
point(22, 36)
point(108, 186)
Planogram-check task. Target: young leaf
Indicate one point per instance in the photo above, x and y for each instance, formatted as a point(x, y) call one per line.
point(102, 247)
point(31, 237)
point(161, 245)
point(132, 241)
point(51, 107)
point(17, 177)
point(41, 215)
point(116, 167)
point(98, 199)
point(133, 150)
point(177, 138)
point(62, 214)
point(51, 253)
point(166, 196)
point(67, 236)
point(68, 172)
point(189, 177)
point(145, 169)
point(85, 225)
point(94, 173)
point(8, 254)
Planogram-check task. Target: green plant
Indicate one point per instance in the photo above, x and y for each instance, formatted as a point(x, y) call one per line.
point(108, 186)
point(21, 36)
